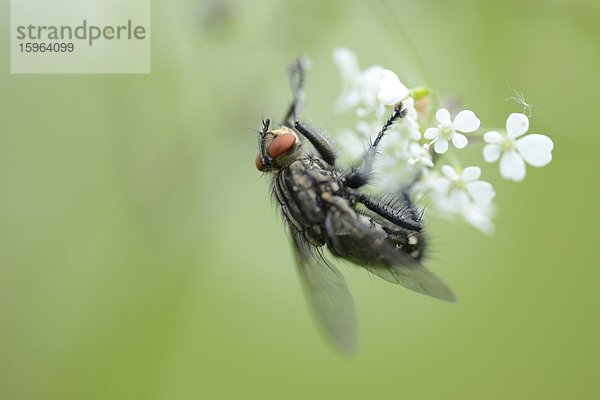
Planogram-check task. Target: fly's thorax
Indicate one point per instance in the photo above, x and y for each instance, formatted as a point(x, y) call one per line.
point(299, 189)
point(277, 149)
point(323, 178)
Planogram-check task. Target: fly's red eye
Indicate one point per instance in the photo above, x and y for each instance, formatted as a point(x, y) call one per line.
point(281, 144)
point(259, 163)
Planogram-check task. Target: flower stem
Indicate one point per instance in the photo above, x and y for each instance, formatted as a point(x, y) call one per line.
point(387, 16)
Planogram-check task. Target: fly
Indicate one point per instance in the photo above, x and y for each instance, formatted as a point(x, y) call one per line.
point(324, 208)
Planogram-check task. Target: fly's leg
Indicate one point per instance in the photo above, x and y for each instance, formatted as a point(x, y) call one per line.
point(398, 210)
point(360, 176)
point(262, 133)
point(357, 177)
point(319, 141)
point(297, 72)
point(406, 228)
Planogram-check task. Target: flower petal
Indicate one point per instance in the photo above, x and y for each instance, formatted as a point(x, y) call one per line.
point(431, 133)
point(459, 140)
point(517, 124)
point(391, 90)
point(443, 116)
point(354, 145)
point(426, 162)
point(493, 137)
point(411, 111)
point(480, 218)
point(471, 174)
point(536, 149)
point(466, 121)
point(346, 62)
point(439, 184)
point(512, 166)
point(368, 86)
point(459, 199)
point(482, 192)
point(449, 172)
point(380, 111)
point(441, 146)
point(491, 153)
point(412, 132)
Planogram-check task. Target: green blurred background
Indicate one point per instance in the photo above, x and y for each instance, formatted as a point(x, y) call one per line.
point(140, 257)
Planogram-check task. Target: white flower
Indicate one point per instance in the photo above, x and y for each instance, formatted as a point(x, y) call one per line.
point(368, 130)
point(462, 195)
point(353, 147)
point(480, 217)
point(391, 165)
point(408, 127)
point(534, 149)
point(465, 189)
point(346, 62)
point(420, 157)
point(368, 90)
point(465, 121)
point(454, 195)
point(348, 66)
point(359, 88)
point(396, 148)
point(391, 90)
point(426, 185)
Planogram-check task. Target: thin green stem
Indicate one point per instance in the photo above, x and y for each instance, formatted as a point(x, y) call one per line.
point(391, 22)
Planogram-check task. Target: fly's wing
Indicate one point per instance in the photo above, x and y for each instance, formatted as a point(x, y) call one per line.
point(355, 237)
point(416, 278)
point(327, 294)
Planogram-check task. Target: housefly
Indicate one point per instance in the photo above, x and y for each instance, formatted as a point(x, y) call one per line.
point(324, 208)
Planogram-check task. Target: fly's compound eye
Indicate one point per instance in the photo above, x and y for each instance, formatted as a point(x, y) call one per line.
point(259, 163)
point(282, 143)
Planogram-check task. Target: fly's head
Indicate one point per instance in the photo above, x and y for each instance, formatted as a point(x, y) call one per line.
point(277, 148)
